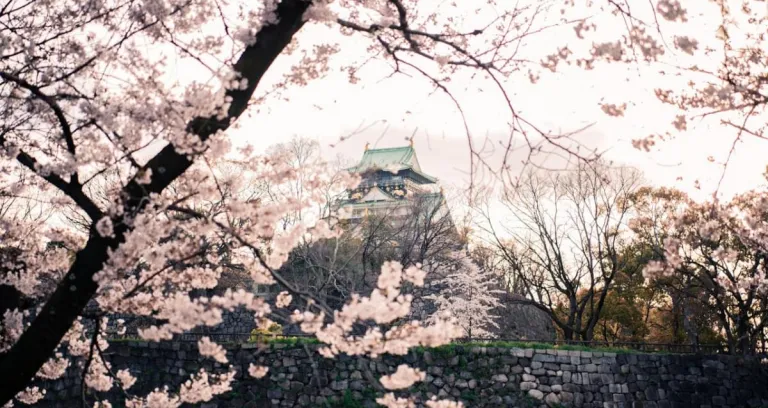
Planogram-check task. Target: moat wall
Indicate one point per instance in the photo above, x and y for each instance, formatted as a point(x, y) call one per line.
point(478, 376)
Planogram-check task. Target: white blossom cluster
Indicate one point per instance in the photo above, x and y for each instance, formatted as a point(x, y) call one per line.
point(385, 305)
point(467, 292)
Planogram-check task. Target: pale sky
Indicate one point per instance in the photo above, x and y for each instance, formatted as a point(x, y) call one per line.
point(391, 109)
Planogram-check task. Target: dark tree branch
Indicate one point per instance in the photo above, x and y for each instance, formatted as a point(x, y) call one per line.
point(66, 131)
point(71, 189)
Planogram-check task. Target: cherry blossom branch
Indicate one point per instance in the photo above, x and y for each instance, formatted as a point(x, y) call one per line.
point(19, 365)
point(119, 43)
point(403, 17)
point(66, 31)
point(441, 86)
point(313, 363)
point(472, 60)
point(87, 365)
point(170, 265)
point(277, 276)
point(745, 130)
point(366, 371)
point(732, 149)
point(66, 131)
point(74, 191)
point(110, 372)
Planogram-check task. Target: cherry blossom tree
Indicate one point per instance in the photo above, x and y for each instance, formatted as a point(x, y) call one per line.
point(468, 293)
point(710, 64)
point(720, 248)
point(654, 213)
point(89, 89)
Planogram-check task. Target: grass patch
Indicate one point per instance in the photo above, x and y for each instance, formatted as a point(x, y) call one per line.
point(290, 341)
point(545, 346)
point(445, 351)
point(450, 350)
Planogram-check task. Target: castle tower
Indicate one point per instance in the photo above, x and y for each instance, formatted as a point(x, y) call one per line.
point(391, 180)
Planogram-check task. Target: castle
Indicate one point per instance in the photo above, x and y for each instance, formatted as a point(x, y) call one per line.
point(392, 182)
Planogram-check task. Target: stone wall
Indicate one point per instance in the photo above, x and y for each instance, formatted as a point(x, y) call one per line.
point(238, 321)
point(521, 321)
point(478, 376)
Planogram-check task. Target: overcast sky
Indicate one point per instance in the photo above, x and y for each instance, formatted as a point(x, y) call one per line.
point(386, 110)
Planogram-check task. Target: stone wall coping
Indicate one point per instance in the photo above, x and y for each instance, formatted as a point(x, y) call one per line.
point(457, 348)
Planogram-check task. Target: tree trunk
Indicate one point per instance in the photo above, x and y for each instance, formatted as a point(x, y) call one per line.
point(10, 299)
point(743, 338)
point(690, 328)
point(568, 335)
point(589, 334)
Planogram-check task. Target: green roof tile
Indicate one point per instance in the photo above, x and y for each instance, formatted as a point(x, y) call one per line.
point(385, 158)
point(394, 159)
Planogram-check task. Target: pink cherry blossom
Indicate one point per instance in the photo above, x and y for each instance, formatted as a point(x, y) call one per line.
point(126, 379)
point(283, 299)
point(389, 400)
point(208, 348)
point(54, 368)
point(257, 371)
point(30, 395)
point(403, 377)
point(435, 403)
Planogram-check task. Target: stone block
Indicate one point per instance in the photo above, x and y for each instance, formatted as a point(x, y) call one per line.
point(536, 394)
point(552, 399)
point(529, 378)
point(544, 358)
point(500, 378)
point(527, 385)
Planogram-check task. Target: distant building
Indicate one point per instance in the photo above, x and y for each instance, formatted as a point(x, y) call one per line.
point(393, 185)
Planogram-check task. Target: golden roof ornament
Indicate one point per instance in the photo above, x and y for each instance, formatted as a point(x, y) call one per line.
point(367, 145)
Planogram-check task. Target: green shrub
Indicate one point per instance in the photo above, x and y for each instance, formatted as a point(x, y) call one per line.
point(274, 331)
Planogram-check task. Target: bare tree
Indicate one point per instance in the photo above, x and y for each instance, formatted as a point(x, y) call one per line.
point(567, 231)
point(302, 154)
point(428, 231)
